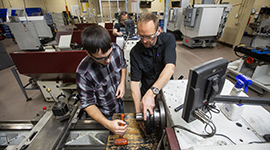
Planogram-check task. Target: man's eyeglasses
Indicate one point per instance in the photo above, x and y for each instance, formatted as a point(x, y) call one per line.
point(124, 19)
point(148, 37)
point(102, 58)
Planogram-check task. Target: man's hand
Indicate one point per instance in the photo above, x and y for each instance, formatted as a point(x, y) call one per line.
point(148, 103)
point(120, 91)
point(120, 34)
point(115, 127)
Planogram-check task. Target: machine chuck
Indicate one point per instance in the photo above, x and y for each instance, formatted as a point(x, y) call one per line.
point(156, 122)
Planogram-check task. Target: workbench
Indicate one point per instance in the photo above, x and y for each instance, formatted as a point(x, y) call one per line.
point(135, 136)
point(254, 123)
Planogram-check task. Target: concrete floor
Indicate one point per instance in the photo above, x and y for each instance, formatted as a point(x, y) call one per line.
point(13, 104)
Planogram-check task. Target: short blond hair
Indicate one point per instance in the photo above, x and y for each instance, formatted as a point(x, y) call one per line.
point(146, 17)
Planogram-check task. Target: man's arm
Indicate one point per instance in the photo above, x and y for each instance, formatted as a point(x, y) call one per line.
point(112, 125)
point(115, 33)
point(136, 95)
point(120, 92)
point(148, 99)
point(165, 76)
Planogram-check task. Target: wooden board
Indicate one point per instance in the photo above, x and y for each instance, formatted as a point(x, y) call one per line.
point(136, 137)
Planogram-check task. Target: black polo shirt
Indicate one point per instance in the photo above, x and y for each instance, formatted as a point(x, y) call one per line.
point(121, 28)
point(148, 63)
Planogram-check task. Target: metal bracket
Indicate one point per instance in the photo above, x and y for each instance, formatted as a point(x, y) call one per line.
point(23, 87)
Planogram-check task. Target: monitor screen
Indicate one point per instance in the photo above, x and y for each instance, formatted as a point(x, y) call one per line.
point(176, 3)
point(145, 4)
point(205, 82)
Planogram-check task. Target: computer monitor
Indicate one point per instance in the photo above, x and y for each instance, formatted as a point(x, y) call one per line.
point(176, 3)
point(145, 4)
point(204, 83)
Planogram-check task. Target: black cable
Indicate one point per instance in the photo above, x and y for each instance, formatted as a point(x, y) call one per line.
point(227, 138)
point(204, 118)
point(257, 142)
point(213, 128)
point(206, 130)
point(210, 117)
point(181, 127)
point(201, 135)
point(213, 108)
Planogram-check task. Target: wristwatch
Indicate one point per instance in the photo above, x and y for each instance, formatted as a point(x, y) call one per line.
point(155, 90)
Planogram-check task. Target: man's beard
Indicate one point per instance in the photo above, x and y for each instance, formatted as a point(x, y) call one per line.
point(150, 44)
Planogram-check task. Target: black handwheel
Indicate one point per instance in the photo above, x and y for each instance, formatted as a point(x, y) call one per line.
point(147, 123)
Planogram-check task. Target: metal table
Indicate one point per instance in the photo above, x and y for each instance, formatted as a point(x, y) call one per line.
point(255, 123)
point(77, 132)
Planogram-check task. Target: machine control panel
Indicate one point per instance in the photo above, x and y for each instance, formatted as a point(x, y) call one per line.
point(190, 15)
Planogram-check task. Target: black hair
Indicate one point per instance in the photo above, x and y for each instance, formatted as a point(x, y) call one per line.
point(123, 13)
point(96, 37)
